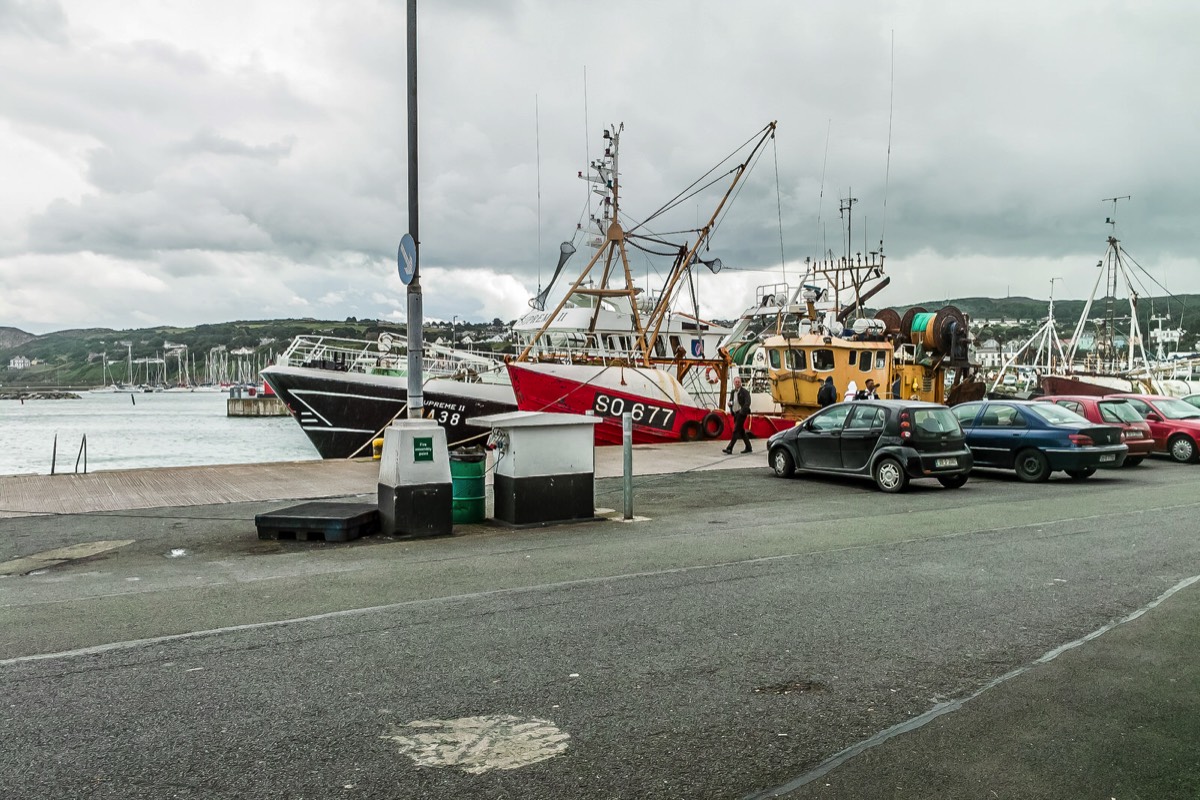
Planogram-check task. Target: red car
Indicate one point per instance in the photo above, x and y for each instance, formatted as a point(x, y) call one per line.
point(1118, 411)
point(1174, 424)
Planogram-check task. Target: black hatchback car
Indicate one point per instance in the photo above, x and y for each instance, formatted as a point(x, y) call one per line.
point(890, 441)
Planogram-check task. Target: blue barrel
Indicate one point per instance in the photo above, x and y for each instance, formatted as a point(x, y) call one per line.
point(466, 474)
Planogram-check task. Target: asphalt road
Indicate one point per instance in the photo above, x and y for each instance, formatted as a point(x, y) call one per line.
point(726, 647)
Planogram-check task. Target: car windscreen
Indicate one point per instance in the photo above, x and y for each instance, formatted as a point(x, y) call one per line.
point(934, 422)
point(1056, 415)
point(1177, 409)
point(1118, 411)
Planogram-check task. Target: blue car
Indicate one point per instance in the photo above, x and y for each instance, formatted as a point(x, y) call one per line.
point(1037, 438)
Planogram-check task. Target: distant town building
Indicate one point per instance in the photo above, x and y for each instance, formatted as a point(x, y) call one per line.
point(991, 354)
point(19, 362)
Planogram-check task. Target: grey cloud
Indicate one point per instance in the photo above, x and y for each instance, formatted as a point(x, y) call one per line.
point(188, 264)
point(1003, 136)
point(137, 225)
point(209, 141)
point(38, 19)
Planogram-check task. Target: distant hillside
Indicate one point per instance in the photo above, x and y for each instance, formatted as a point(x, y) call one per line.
point(13, 337)
point(76, 357)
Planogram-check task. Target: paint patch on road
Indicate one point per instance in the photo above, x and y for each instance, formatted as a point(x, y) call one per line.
point(61, 555)
point(479, 744)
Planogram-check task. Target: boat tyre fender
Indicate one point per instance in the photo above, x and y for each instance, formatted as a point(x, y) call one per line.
point(713, 424)
point(690, 432)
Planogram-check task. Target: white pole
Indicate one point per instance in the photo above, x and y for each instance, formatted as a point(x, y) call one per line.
point(627, 444)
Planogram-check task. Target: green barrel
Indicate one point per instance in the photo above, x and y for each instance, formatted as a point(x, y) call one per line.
point(466, 475)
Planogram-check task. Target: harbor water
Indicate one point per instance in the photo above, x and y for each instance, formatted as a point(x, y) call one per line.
point(161, 429)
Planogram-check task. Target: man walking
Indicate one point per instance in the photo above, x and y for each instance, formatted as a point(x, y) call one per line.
point(739, 406)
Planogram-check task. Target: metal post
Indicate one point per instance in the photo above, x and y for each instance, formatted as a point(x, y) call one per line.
point(627, 444)
point(416, 319)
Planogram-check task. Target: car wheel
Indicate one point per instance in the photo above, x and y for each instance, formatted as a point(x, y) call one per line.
point(1133, 462)
point(1182, 449)
point(953, 481)
point(890, 476)
point(1032, 466)
point(782, 463)
point(1081, 474)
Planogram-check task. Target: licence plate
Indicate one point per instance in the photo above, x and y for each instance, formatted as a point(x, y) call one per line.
point(946, 462)
point(1109, 457)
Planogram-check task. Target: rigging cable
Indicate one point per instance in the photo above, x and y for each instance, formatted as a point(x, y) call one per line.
point(741, 186)
point(681, 196)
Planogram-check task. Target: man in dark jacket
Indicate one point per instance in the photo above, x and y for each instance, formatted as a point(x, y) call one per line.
point(826, 395)
point(739, 406)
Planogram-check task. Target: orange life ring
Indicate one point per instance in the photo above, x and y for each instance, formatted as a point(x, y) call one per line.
point(711, 375)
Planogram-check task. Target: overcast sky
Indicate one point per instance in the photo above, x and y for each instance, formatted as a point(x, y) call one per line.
point(187, 161)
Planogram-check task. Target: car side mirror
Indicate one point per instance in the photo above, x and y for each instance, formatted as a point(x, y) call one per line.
point(1153, 417)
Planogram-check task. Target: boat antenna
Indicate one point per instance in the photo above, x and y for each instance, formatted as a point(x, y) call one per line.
point(778, 211)
point(537, 138)
point(1112, 221)
point(821, 195)
point(587, 139)
point(887, 169)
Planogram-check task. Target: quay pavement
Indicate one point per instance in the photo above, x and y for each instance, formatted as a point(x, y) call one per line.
point(745, 637)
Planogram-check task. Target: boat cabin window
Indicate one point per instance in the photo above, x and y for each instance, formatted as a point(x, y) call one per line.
point(864, 363)
point(854, 359)
point(773, 358)
point(660, 348)
point(881, 359)
point(822, 360)
point(797, 360)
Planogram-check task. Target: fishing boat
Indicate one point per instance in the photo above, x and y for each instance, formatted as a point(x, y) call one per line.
point(344, 392)
point(665, 367)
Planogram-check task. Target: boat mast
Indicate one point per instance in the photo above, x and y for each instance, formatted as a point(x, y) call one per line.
point(1112, 268)
point(607, 171)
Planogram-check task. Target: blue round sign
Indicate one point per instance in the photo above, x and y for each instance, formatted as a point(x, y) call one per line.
point(406, 258)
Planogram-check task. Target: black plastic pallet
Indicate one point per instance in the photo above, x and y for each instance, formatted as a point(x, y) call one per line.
point(327, 522)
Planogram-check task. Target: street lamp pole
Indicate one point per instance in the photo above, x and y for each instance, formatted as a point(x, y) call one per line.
point(416, 342)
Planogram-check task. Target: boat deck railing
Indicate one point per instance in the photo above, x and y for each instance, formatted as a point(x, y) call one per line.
point(386, 355)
